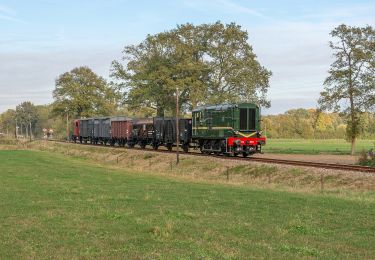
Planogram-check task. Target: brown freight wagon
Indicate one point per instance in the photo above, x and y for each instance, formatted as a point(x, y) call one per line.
point(76, 134)
point(121, 130)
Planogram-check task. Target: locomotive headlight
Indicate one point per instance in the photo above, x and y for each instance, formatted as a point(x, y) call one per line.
point(237, 142)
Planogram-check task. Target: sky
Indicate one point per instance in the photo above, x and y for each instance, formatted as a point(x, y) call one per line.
point(41, 39)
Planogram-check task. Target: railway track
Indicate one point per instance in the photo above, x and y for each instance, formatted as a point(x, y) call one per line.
point(342, 167)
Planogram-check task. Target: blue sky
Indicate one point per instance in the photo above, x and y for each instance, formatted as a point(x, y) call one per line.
point(40, 39)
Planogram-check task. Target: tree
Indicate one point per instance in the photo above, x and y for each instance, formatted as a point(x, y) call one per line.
point(234, 73)
point(8, 121)
point(27, 116)
point(351, 76)
point(209, 63)
point(82, 93)
point(148, 76)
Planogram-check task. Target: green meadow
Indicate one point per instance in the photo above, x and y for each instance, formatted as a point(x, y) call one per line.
point(60, 207)
point(315, 146)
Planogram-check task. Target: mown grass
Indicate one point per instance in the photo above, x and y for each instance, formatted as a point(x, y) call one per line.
point(315, 146)
point(57, 207)
point(214, 169)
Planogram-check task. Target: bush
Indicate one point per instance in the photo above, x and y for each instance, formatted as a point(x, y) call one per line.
point(367, 158)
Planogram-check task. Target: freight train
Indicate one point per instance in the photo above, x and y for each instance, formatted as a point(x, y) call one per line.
point(230, 129)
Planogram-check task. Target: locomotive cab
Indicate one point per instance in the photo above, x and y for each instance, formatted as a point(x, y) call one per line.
point(229, 129)
point(247, 137)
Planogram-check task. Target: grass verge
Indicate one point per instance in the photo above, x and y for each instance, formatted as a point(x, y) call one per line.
point(53, 206)
point(315, 146)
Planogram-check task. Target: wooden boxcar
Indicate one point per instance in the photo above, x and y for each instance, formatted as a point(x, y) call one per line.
point(121, 130)
point(76, 134)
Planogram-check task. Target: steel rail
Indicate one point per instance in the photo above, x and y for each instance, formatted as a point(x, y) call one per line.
point(343, 167)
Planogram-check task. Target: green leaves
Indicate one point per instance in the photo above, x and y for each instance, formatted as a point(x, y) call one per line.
point(209, 63)
point(27, 113)
point(350, 86)
point(82, 93)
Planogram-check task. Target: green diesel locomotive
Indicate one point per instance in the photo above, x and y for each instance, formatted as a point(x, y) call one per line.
point(230, 129)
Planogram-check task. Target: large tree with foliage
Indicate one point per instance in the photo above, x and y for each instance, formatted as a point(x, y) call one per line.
point(82, 93)
point(209, 63)
point(350, 86)
point(27, 116)
point(234, 72)
point(8, 121)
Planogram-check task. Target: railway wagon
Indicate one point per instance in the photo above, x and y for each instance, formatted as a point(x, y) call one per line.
point(165, 132)
point(101, 130)
point(121, 130)
point(76, 126)
point(231, 129)
point(142, 133)
point(85, 129)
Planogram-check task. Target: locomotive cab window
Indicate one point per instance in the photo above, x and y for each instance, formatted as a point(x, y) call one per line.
point(247, 119)
point(243, 118)
point(251, 119)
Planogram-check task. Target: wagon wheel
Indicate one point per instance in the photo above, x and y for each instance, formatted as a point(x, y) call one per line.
point(155, 146)
point(169, 147)
point(185, 147)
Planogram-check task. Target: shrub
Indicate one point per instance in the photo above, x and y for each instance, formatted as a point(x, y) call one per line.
point(367, 158)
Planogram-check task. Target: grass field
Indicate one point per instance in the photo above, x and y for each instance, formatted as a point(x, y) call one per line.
point(315, 146)
point(52, 206)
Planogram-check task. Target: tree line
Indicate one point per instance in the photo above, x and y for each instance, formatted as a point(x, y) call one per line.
point(212, 64)
point(315, 124)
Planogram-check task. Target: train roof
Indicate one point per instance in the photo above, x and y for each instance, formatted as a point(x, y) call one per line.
point(95, 118)
point(120, 118)
point(143, 121)
point(223, 106)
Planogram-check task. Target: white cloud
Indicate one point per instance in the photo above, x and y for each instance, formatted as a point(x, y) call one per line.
point(237, 8)
point(10, 19)
point(294, 47)
point(226, 6)
point(8, 14)
point(7, 10)
point(31, 76)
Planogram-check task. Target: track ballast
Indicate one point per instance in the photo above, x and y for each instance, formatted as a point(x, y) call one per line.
point(342, 167)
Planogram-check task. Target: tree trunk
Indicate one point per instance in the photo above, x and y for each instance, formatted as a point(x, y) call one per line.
point(160, 111)
point(353, 145)
point(194, 104)
point(352, 109)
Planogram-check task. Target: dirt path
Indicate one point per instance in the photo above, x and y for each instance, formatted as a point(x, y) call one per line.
point(323, 158)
